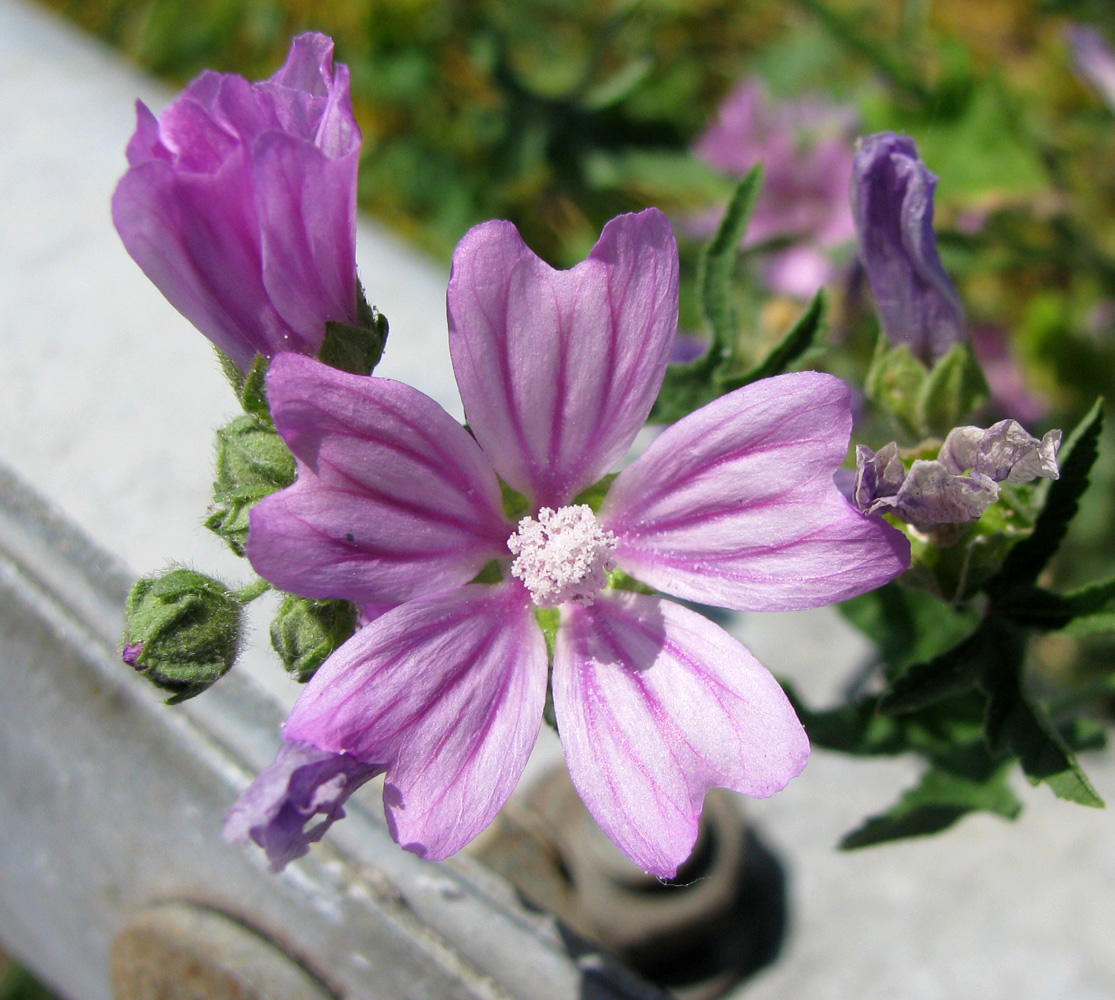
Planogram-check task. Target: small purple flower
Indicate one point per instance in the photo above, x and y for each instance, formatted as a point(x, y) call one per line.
point(806, 151)
point(961, 483)
point(396, 504)
point(892, 201)
point(1094, 60)
point(240, 204)
point(303, 783)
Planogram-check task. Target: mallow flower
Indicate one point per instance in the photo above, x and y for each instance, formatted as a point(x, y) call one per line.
point(805, 148)
point(485, 543)
point(892, 202)
point(240, 204)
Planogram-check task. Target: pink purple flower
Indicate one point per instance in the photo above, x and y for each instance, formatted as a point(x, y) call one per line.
point(240, 204)
point(396, 504)
point(806, 151)
point(892, 200)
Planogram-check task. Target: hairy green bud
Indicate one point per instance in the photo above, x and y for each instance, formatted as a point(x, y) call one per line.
point(305, 632)
point(182, 631)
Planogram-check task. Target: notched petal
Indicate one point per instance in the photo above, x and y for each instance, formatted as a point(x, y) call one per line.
point(656, 705)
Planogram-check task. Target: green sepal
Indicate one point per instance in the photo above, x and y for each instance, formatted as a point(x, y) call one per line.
point(894, 382)
point(356, 348)
point(252, 462)
point(515, 505)
point(253, 391)
point(619, 580)
point(594, 495)
point(181, 631)
point(1029, 557)
point(936, 802)
point(954, 390)
point(549, 620)
point(305, 633)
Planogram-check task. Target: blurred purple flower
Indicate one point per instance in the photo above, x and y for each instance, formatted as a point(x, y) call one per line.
point(240, 204)
point(961, 483)
point(806, 151)
point(396, 503)
point(892, 201)
point(1005, 375)
point(303, 783)
point(1094, 60)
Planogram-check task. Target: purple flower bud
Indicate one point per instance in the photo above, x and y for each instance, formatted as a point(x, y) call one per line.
point(892, 201)
point(240, 204)
point(302, 783)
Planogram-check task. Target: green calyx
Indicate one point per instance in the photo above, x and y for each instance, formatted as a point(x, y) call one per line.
point(182, 631)
point(306, 632)
point(358, 347)
point(252, 463)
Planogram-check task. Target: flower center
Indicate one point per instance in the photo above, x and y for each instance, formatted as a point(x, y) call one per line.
point(563, 556)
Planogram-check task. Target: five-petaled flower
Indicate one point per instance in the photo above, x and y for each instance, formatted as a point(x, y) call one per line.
point(396, 504)
point(240, 204)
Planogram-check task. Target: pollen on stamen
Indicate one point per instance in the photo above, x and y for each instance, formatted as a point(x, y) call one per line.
point(562, 556)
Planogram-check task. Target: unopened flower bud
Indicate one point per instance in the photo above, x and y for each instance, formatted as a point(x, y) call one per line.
point(305, 632)
point(182, 631)
point(252, 462)
point(892, 202)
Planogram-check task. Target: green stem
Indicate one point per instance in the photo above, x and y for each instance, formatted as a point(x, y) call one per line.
point(248, 593)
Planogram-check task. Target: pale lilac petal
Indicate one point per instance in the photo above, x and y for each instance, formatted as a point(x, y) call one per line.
point(307, 209)
point(878, 474)
point(735, 505)
point(393, 498)
point(656, 705)
point(1006, 452)
point(931, 496)
point(447, 694)
point(558, 370)
point(303, 783)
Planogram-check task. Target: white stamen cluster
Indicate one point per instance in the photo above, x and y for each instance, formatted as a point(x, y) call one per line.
point(562, 556)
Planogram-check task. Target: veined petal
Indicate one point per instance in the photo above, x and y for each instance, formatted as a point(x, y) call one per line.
point(394, 499)
point(559, 369)
point(446, 693)
point(656, 705)
point(735, 505)
point(196, 236)
point(307, 215)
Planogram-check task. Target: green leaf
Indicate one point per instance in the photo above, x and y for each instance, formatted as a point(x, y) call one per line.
point(1028, 558)
point(1043, 609)
point(1017, 725)
point(1090, 625)
point(939, 799)
point(954, 390)
point(716, 268)
point(922, 684)
point(907, 625)
point(807, 334)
